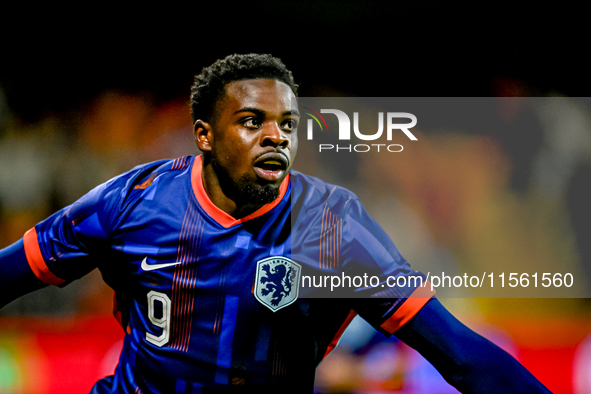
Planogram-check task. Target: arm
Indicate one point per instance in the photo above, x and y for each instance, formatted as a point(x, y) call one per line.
point(469, 362)
point(71, 238)
point(16, 277)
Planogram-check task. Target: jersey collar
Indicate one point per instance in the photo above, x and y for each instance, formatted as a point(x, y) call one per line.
point(221, 217)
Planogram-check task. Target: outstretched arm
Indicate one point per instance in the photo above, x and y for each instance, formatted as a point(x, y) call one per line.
point(16, 277)
point(469, 362)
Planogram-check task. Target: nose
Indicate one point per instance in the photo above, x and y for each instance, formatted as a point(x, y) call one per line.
point(274, 136)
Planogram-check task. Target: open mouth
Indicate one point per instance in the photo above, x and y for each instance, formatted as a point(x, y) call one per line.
point(271, 167)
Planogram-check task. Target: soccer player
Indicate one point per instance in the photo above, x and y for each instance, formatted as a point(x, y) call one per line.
point(206, 256)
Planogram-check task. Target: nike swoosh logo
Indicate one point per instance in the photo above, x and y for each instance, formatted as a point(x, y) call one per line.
point(152, 267)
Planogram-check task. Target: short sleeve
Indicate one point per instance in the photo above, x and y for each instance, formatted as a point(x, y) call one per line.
point(71, 243)
point(393, 292)
point(60, 248)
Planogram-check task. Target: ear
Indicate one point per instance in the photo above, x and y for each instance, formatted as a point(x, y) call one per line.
point(203, 135)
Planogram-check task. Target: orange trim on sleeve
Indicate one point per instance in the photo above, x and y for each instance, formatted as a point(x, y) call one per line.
point(409, 308)
point(340, 332)
point(36, 261)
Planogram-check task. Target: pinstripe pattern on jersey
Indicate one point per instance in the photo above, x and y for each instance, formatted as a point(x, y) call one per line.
point(331, 236)
point(279, 366)
point(185, 277)
point(219, 310)
point(181, 163)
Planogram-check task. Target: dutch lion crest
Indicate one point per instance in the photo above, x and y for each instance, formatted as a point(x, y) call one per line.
point(277, 282)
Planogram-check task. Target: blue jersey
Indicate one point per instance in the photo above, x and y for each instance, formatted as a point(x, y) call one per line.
point(210, 303)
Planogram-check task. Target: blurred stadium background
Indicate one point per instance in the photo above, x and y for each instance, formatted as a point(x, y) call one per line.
point(83, 100)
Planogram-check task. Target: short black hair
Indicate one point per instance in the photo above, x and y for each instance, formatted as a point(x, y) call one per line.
point(209, 86)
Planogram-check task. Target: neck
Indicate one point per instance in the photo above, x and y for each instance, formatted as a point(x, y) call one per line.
point(221, 198)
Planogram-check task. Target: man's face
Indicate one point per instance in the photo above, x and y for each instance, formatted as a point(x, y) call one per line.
point(254, 139)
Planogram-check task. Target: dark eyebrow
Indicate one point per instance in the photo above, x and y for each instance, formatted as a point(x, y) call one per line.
point(253, 110)
point(260, 112)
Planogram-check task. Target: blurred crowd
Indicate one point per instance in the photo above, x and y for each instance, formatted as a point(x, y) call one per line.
point(473, 195)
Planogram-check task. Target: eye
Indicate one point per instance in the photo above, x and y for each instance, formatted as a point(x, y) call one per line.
point(289, 125)
point(252, 123)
